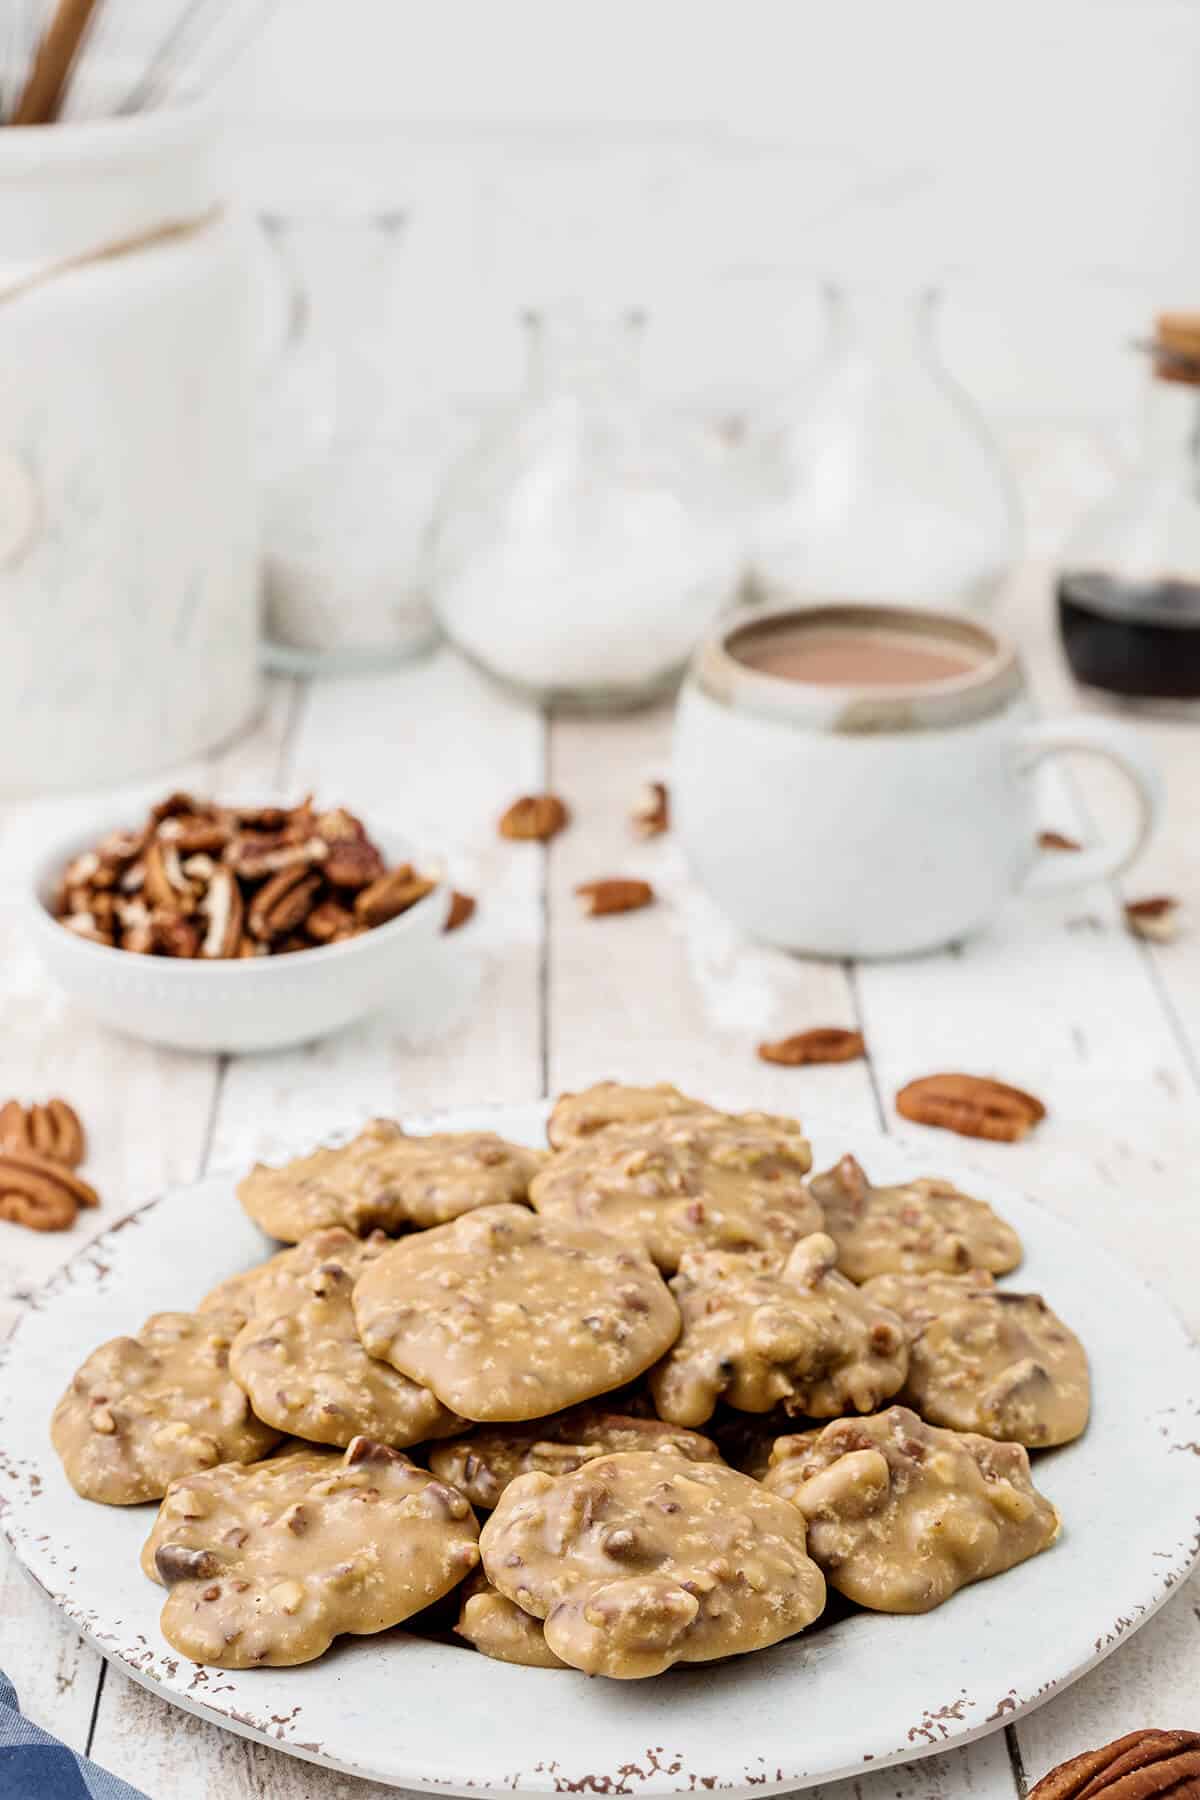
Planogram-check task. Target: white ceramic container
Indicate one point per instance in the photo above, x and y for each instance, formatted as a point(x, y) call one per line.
point(878, 822)
point(261, 1003)
point(127, 544)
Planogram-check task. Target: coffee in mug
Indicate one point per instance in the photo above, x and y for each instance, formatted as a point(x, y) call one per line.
point(856, 781)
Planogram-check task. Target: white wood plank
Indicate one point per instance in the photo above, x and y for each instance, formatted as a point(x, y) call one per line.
point(438, 753)
point(671, 993)
point(148, 1115)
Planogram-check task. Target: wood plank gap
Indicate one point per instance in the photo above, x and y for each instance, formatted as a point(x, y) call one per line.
point(851, 972)
point(544, 969)
point(214, 1112)
point(1016, 1760)
point(100, 1680)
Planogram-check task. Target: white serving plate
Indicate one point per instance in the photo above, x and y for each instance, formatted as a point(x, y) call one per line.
point(866, 1691)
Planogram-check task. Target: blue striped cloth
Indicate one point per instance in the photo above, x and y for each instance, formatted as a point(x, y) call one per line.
point(35, 1766)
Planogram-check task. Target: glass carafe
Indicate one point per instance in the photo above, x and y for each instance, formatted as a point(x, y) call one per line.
point(1129, 584)
point(582, 548)
point(882, 482)
point(350, 455)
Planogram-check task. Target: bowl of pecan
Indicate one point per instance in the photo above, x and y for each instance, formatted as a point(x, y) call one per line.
point(231, 928)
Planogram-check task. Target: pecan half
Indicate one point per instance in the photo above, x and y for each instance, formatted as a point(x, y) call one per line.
point(535, 816)
point(820, 1044)
point(173, 935)
point(191, 835)
point(353, 863)
point(223, 908)
point(1056, 840)
point(284, 902)
point(39, 1193)
point(462, 908)
point(650, 815)
point(53, 1130)
point(391, 895)
point(328, 920)
point(257, 854)
point(1134, 1767)
point(615, 895)
point(1156, 918)
point(973, 1105)
point(165, 883)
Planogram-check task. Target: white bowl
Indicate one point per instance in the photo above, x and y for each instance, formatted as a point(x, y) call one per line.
point(260, 1003)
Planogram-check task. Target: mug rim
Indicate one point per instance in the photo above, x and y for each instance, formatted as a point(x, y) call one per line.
point(985, 689)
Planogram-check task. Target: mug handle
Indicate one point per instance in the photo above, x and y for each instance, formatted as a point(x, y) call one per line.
point(1053, 871)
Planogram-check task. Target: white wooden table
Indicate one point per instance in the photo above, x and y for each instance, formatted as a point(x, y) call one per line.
point(1057, 998)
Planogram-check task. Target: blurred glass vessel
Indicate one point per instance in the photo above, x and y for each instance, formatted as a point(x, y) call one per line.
point(350, 454)
point(1129, 587)
point(585, 544)
point(884, 484)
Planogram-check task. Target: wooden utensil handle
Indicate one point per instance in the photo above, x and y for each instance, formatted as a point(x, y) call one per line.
point(51, 71)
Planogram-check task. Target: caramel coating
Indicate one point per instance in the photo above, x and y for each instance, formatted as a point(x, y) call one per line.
point(577, 1117)
point(922, 1227)
point(300, 1360)
point(384, 1178)
point(499, 1628)
point(902, 1514)
point(760, 1332)
point(1005, 1365)
point(268, 1564)
point(483, 1463)
point(508, 1316)
point(637, 1561)
point(916, 1299)
point(701, 1181)
point(144, 1410)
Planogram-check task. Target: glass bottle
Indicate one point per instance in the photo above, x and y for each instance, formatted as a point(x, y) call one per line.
point(350, 455)
point(1129, 586)
point(884, 484)
point(581, 549)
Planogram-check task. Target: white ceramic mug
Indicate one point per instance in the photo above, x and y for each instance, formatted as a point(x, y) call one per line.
point(878, 821)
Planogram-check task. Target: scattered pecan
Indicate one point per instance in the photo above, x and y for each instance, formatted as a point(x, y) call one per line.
point(651, 812)
point(391, 895)
point(1156, 918)
point(1134, 1767)
point(820, 1044)
point(615, 895)
point(535, 816)
point(973, 1105)
point(53, 1130)
point(39, 1193)
point(462, 908)
point(283, 902)
point(1056, 840)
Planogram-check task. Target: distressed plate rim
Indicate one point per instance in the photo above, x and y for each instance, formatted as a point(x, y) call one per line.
point(665, 1736)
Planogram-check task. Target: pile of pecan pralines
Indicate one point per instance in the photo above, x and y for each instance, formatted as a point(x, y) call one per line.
point(202, 880)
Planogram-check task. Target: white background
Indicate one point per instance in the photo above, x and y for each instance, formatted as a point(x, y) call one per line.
point(708, 158)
